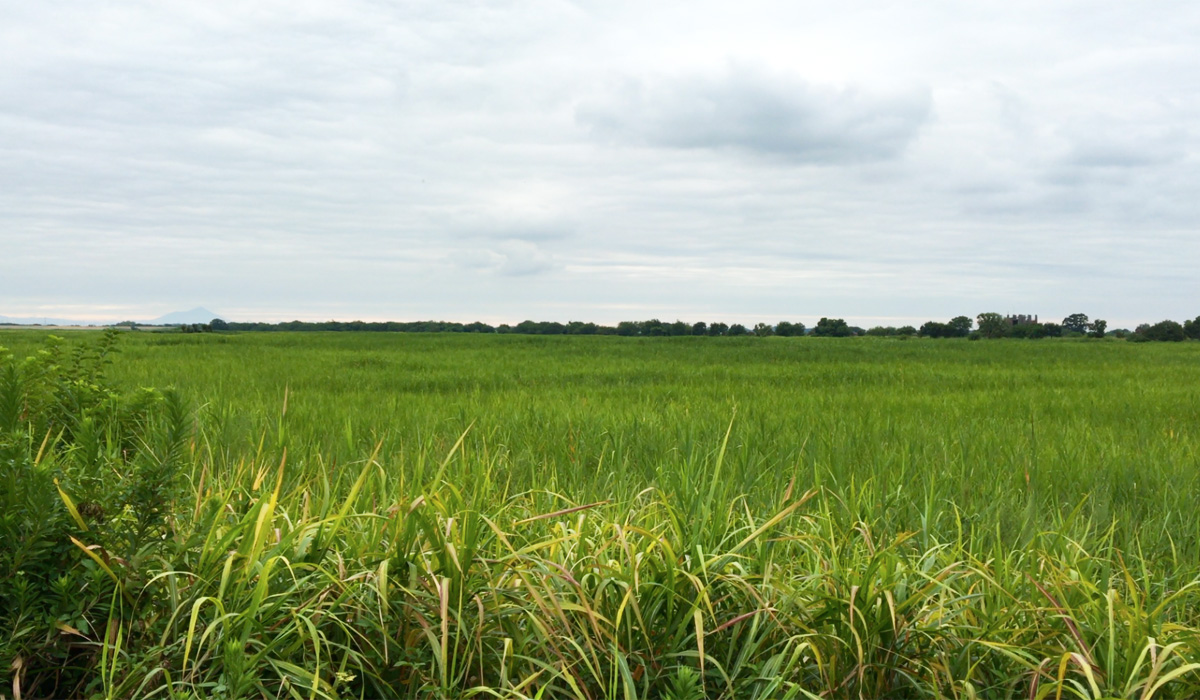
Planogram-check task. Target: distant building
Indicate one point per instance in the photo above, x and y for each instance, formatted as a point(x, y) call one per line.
point(1020, 319)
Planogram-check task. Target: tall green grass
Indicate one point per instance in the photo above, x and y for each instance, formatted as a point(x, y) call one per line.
point(439, 516)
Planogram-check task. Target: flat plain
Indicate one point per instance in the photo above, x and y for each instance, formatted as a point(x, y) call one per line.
point(417, 515)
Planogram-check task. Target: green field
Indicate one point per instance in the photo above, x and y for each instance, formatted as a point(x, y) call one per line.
point(443, 515)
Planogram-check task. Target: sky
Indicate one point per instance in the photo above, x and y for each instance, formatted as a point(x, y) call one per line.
point(881, 162)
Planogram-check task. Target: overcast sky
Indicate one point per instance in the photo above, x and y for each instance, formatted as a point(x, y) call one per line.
point(600, 160)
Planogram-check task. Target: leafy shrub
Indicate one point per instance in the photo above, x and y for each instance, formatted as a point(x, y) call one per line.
point(78, 461)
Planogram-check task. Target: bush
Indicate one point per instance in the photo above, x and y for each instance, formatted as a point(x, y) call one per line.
point(79, 463)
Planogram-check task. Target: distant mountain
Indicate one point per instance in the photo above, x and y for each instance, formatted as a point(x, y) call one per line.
point(43, 321)
point(196, 315)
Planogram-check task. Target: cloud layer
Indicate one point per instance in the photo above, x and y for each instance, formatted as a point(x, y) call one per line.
point(560, 160)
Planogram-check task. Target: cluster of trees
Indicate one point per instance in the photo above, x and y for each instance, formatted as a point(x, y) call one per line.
point(904, 331)
point(653, 327)
point(993, 325)
point(989, 325)
point(381, 327)
point(1170, 331)
point(835, 328)
point(957, 327)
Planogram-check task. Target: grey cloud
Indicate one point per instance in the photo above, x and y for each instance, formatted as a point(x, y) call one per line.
point(511, 258)
point(1024, 156)
point(522, 258)
point(1125, 148)
point(531, 229)
point(750, 109)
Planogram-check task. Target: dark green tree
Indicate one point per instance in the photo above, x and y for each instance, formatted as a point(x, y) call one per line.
point(581, 328)
point(1076, 323)
point(1165, 331)
point(832, 327)
point(653, 327)
point(627, 328)
point(933, 329)
point(992, 325)
point(1097, 328)
point(787, 328)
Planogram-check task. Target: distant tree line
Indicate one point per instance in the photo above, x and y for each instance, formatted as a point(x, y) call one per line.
point(985, 325)
point(653, 327)
point(1077, 325)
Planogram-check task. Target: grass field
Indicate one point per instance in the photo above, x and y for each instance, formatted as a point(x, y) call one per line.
point(440, 515)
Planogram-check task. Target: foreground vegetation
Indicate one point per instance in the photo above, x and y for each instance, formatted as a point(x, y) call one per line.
point(369, 515)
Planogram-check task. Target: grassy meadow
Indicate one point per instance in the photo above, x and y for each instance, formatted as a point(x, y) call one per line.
point(320, 515)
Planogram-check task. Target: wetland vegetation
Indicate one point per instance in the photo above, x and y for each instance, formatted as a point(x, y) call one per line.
point(508, 516)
